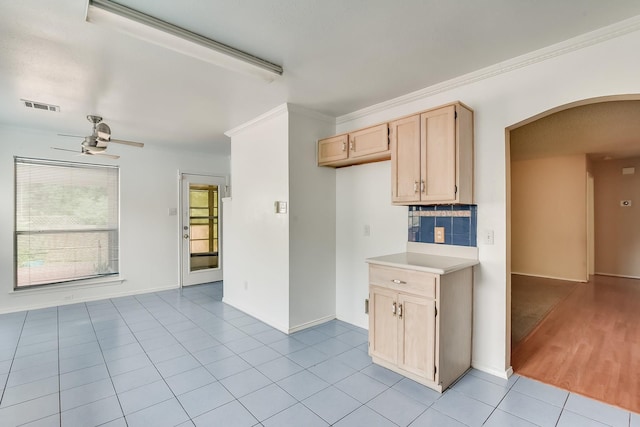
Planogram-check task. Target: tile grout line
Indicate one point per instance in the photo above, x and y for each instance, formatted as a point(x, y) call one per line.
point(14, 356)
point(93, 327)
point(59, 385)
point(495, 408)
point(152, 362)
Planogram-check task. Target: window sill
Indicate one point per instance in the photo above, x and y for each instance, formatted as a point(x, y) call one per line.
point(61, 287)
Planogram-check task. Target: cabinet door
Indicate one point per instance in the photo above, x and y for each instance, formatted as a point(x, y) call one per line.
point(405, 159)
point(438, 155)
point(383, 324)
point(369, 141)
point(332, 149)
point(416, 333)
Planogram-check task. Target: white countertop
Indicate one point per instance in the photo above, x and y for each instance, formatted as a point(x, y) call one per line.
point(436, 264)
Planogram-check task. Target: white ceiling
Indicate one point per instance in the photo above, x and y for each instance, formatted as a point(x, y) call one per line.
point(338, 56)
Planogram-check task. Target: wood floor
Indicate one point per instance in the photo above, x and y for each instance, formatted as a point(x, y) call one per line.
point(589, 343)
point(532, 299)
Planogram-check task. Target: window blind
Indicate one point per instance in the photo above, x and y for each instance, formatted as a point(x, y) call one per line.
point(66, 221)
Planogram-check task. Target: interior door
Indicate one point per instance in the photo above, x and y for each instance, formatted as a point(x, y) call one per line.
point(200, 228)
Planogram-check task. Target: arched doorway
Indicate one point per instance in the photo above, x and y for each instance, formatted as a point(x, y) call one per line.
point(552, 231)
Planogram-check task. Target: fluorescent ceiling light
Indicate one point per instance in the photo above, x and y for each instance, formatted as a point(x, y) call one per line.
point(161, 33)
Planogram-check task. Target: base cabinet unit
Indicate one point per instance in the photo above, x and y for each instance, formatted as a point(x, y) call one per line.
point(361, 146)
point(420, 323)
point(432, 157)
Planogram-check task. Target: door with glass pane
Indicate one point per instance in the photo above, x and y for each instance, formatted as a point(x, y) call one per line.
point(201, 228)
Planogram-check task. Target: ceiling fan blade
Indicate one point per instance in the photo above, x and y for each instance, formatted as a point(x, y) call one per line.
point(132, 143)
point(65, 149)
point(73, 136)
point(103, 154)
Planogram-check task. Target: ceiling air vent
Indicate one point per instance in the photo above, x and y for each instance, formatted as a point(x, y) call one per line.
point(40, 105)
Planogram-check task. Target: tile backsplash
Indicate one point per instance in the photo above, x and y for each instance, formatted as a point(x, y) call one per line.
point(459, 222)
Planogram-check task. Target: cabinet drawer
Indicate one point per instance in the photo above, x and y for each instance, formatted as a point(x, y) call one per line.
point(410, 281)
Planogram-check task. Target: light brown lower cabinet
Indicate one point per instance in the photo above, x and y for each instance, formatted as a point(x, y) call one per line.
point(420, 323)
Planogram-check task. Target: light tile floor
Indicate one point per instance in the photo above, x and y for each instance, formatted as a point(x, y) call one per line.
point(184, 358)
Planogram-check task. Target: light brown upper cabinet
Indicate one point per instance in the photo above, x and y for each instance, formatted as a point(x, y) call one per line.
point(432, 157)
point(362, 146)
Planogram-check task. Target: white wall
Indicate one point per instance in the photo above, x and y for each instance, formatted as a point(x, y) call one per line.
point(312, 222)
point(280, 268)
point(363, 197)
point(149, 239)
point(256, 262)
point(501, 96)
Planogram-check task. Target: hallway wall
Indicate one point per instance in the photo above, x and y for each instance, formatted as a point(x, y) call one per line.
point(617, 228)
point(548, 217)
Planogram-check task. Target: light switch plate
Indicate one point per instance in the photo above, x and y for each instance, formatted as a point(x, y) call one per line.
point(281, 207)
point(438, 234)
point(488, 237)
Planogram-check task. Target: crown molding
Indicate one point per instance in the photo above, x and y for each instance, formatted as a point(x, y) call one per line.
point(312, 114)
point(280, 109)
point(576, 43)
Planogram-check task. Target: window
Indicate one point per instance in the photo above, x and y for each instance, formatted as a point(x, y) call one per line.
point(203, 225)
point(66, 221)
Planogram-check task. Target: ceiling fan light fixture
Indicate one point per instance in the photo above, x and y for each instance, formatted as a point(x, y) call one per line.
point(103, 131)
point(100, 142)
point(162, 33)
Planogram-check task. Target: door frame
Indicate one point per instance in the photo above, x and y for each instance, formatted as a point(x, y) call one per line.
point(223, 194)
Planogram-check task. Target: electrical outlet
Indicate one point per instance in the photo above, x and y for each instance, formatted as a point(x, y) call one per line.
point(438, 234)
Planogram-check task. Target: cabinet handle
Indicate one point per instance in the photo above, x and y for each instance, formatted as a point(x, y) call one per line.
point(393, 308)
point(344, 146)
point(415, 186)
point(352, 145)
point(422, 186)
point(398, 282)
point(400, 311)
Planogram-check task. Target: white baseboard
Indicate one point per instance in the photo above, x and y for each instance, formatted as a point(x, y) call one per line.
point(550, 277)
point(88, 299)
point(246, 310)
point(598, 273)
point(504, 374)
point(312, 323)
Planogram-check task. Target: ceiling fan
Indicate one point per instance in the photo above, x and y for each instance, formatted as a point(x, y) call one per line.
point(97, 142)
